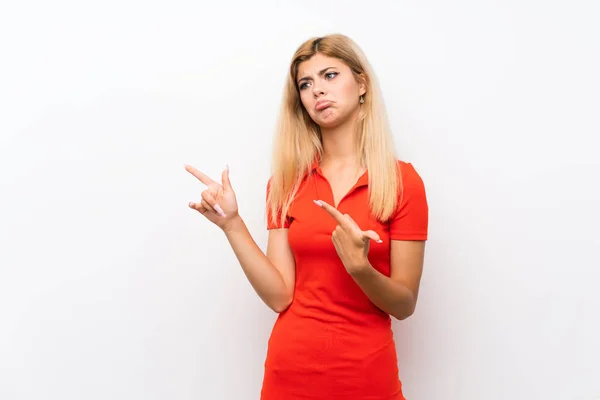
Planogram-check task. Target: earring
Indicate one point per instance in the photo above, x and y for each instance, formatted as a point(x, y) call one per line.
point(362, 100)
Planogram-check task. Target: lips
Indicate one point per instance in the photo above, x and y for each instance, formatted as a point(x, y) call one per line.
point(323, 104)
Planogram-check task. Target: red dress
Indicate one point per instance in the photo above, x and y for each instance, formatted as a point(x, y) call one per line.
point(333, 342)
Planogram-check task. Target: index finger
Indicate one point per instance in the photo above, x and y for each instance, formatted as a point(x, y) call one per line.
point(201, 176)
point(334, 212)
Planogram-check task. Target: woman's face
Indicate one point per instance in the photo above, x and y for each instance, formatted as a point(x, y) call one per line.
point(328, 90)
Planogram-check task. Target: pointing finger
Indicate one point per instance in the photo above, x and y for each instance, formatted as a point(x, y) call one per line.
point(338, 216)
point(201, 176)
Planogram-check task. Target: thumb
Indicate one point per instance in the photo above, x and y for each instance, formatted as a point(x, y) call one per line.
point(225, 179)
point(372, 235)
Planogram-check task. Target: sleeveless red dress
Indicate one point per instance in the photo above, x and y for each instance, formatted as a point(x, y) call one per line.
point(333, 342)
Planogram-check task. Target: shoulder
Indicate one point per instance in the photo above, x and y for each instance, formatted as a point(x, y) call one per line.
point(409, 175)
point(410, 220)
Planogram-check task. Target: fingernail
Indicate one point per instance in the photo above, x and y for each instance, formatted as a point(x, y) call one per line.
point(380, 241)
point(317, 202)
point(227, 167)
point(191, 204)
point(219, 210)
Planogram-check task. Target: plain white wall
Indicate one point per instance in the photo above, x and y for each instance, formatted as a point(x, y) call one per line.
point(111, 288)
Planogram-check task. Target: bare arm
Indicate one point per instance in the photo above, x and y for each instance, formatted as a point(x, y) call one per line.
point(272, 275)
point(396, 295)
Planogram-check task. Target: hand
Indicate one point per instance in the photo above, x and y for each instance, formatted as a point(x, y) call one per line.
point(218, 203)
point(351, 243)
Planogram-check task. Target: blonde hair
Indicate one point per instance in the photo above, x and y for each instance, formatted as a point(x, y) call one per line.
point(298, 140)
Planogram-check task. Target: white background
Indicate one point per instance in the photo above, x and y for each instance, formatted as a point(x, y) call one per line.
point(112, 288)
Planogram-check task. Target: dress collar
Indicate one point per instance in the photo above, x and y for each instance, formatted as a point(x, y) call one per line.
point(363, 180)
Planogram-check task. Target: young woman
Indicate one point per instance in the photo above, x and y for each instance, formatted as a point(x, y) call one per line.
point(347, 227)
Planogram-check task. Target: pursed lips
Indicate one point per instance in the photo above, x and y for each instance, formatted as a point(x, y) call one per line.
point(321, 105)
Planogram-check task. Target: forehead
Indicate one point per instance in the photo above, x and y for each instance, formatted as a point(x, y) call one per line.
point(316, 63)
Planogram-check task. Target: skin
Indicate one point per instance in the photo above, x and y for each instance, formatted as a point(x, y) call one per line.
point(272, 275)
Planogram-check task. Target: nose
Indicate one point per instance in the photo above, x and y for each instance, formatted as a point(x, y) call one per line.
point(317, 91)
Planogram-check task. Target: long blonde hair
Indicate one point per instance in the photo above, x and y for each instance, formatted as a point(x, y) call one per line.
point(298, 140)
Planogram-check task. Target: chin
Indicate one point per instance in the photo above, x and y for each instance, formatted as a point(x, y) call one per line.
point(329, 122)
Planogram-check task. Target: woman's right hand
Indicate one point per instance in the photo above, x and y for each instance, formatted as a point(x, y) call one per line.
point(218, 203)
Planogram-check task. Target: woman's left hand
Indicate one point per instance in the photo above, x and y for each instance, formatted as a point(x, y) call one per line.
point(351, 243)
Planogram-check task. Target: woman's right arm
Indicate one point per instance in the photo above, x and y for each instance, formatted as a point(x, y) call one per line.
point(272, 275)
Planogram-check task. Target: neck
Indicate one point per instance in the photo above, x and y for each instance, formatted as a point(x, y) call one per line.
point(339, 144)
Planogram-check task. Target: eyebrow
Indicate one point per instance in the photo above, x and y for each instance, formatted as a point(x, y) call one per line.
point(321, 72)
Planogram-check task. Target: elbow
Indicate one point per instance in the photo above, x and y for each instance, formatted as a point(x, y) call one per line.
point(282, 305)
point(404, 313)
point(279, 308)
point(402, 317)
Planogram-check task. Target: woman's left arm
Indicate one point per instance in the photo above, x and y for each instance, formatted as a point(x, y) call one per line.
point(396, 294)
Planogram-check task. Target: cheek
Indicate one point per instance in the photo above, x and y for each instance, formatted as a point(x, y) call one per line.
point(304, 99)
point(348, 92)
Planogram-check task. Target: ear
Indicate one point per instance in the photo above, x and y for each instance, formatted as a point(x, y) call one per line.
point(362, 85)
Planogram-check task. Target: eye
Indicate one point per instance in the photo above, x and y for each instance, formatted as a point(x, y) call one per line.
point(329, 76)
